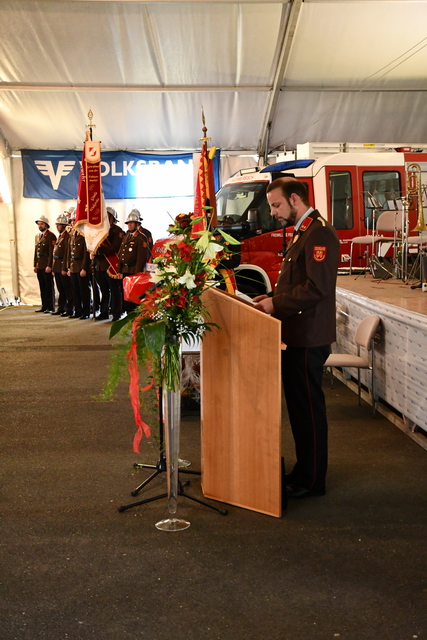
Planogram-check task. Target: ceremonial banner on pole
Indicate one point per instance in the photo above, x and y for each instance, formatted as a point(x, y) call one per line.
point(204, 197)
point(91, 213)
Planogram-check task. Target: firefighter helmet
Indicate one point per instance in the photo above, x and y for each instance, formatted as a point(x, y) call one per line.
point(112, 212)
point(133, 216)
point(136, 213)
point(70, 210)
point(43, 219)
point(62, 219)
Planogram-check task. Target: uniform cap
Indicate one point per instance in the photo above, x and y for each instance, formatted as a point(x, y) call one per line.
point(43, 219)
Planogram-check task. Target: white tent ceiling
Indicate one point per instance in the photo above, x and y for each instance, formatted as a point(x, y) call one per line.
point(267, 73)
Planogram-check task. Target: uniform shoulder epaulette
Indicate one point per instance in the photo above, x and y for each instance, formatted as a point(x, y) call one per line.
point(322, 221)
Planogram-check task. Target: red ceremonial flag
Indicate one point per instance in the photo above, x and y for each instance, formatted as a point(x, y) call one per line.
point(91, 213)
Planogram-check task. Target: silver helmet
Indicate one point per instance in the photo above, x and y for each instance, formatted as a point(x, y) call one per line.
point(133, 216)
point(62, 219)
point(43, 219)
point(113, 213)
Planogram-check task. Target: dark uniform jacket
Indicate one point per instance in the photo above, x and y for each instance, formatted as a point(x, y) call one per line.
point(133, 253)
point(43, 253)
point(114, 240)
point(147, 237)
point(60, 252)
point(77, 257)
point(304, 297)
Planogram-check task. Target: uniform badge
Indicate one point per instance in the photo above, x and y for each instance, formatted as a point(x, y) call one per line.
point(319, 253)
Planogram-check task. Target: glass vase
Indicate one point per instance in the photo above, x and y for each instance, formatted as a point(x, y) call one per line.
point(172, 423)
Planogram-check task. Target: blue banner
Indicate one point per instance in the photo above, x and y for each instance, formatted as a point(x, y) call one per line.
point(55, 174)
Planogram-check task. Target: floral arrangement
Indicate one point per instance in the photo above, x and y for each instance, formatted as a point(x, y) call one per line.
point(172, 308)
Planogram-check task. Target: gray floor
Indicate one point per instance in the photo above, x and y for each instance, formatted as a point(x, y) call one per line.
point(349, 565)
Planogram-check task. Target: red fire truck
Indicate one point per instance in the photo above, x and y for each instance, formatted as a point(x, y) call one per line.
point(350, 184)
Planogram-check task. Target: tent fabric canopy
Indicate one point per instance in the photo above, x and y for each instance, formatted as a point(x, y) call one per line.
point(282, 72)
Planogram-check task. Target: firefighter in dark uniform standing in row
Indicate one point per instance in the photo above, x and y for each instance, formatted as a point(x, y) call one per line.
point(111, 289)
point(78, 265)
point(133, 254)
point(146, 234)
point(304, 301)
point(43, 259)
point(62, 281)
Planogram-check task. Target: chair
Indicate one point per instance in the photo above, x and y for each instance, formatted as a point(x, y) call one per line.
point(389, 222)
point(363, 337)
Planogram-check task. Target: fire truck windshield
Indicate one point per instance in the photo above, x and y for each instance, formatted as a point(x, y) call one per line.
point(235, 200)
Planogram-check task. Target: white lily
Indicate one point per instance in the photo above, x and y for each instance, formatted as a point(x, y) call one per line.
point(156, 276)
point(211, 250)
point(187, 280)
point(203, 241)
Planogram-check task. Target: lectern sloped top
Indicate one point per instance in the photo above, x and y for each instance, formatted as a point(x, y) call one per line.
point(241, 406)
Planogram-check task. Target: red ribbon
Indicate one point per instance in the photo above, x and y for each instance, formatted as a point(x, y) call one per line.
point(134, 391)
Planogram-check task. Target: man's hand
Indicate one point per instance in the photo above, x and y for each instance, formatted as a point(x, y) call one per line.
point(259, 298)
point(265, 304)
point(83, 273)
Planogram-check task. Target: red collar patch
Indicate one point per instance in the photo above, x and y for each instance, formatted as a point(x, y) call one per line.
point(305, 224)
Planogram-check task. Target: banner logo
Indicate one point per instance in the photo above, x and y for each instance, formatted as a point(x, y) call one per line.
point(46, 168)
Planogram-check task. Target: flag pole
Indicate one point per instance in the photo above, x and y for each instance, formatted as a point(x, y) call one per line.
point(90, 126)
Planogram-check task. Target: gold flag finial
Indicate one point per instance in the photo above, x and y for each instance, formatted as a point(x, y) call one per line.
point(90, 116)
point(204, 128)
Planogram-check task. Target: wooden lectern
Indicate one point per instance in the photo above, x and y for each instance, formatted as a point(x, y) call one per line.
point(241, 405)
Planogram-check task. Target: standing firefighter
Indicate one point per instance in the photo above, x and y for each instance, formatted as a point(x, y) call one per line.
point(43, 259)
point(105, 260)
point(78, 264)
point(62, 281)
point(133, 253)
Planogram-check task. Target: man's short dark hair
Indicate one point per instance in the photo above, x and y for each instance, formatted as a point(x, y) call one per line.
point(288, 186)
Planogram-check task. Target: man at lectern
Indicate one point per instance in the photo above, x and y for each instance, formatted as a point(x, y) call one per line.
point(304, 301)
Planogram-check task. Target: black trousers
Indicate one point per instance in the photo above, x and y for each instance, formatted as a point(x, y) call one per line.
point(81, 291)
point(111, 294)
point(302, 372)
point(127, 305)
point(103, 281)
point(47, 290)
point(65, 297)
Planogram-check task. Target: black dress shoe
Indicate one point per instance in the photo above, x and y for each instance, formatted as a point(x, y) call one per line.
point(48, 311)
point(66, 314)
point(57, 313)
point(290, 479)
point(40, 310)
point(297, 492)
point(84, 318)
point(102, 316)
point(74, 315)
point(115, 318)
